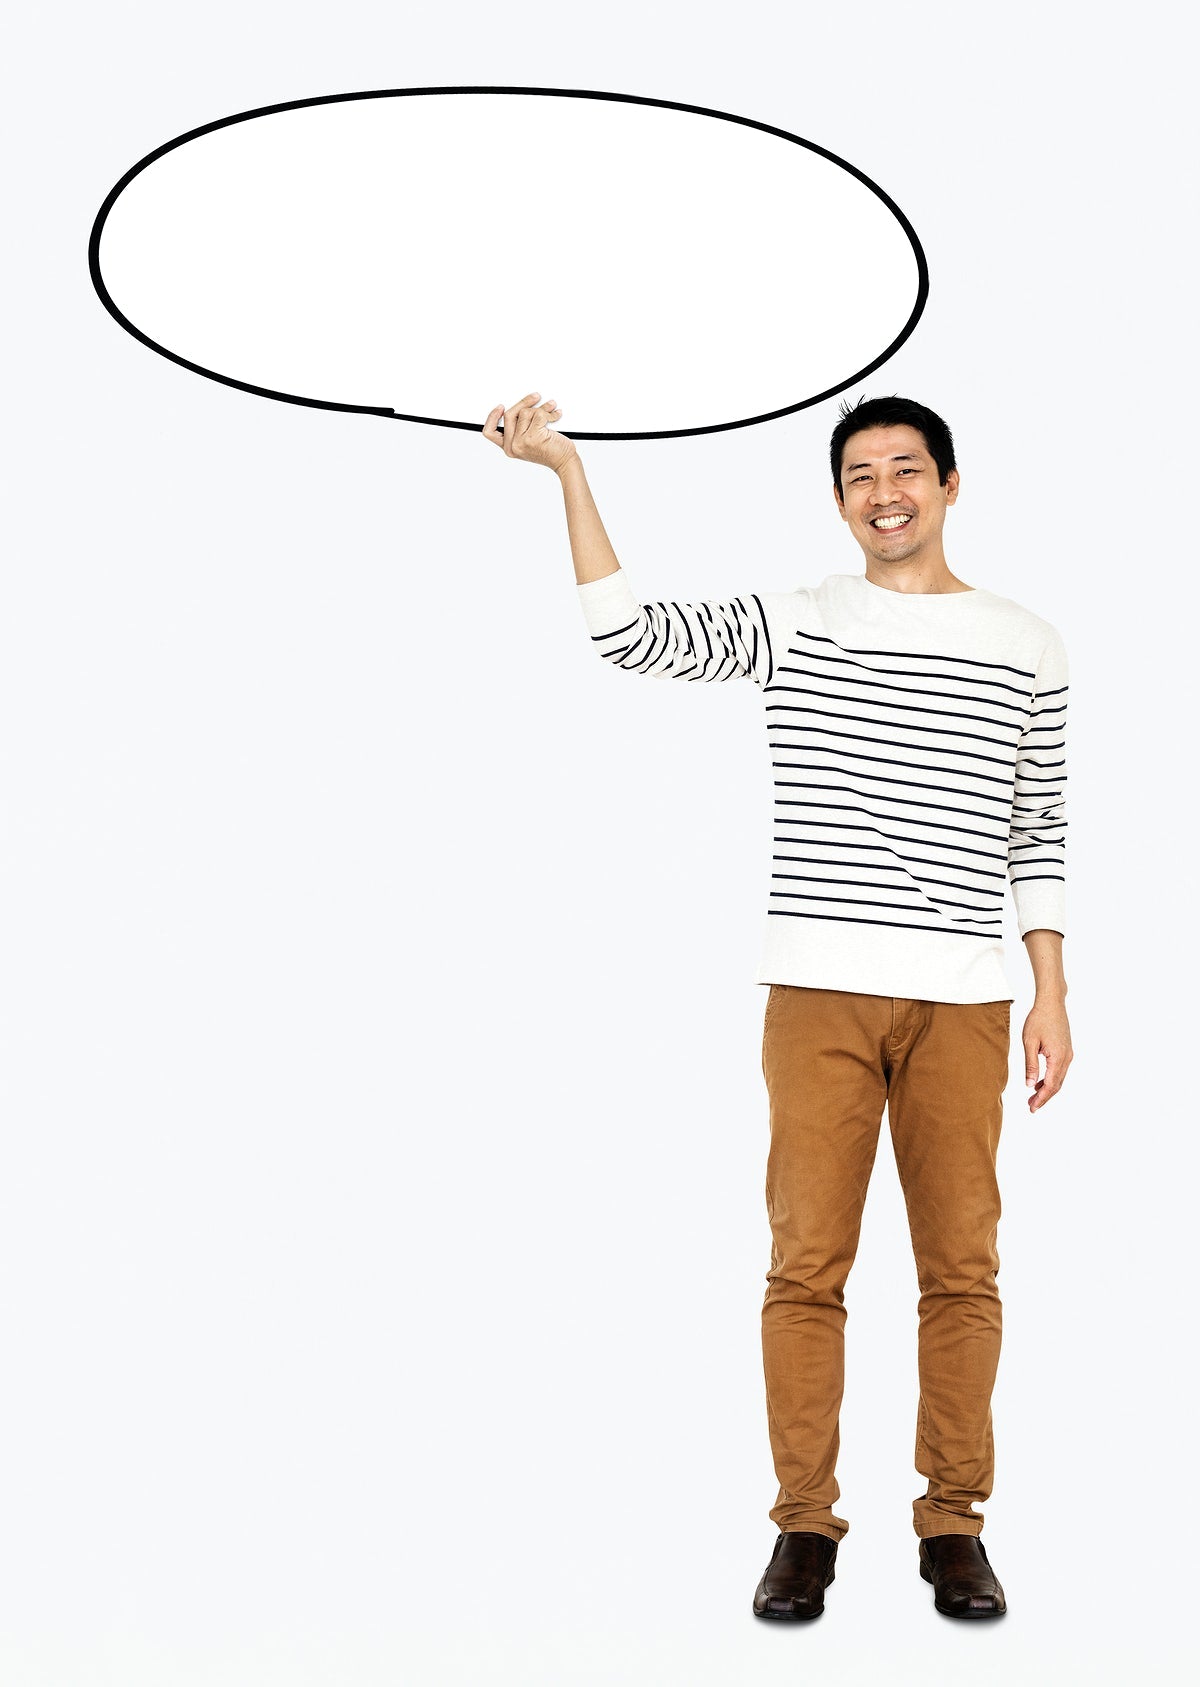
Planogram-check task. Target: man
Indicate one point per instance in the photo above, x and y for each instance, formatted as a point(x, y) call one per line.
point(917, 730)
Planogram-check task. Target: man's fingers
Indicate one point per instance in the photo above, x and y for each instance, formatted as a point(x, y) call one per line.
point(534, 419)
point(511, 417)
point(1057, 1062)
point(521, 419)
point(539, 419)
point(517, 419)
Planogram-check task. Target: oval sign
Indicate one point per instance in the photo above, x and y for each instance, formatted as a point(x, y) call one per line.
point(425, 253)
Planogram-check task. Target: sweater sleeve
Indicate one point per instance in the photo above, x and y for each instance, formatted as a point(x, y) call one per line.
point(1037, 839)
point(698, 641)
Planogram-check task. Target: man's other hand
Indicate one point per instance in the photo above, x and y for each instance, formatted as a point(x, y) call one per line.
point(1046, 1032)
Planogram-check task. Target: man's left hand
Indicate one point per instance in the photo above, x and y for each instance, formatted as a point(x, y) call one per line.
point(1046, 1032)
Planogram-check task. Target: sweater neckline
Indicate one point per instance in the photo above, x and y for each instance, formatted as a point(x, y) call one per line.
point(972, 592)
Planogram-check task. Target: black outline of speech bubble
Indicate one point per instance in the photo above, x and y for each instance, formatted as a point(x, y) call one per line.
point(558, 93)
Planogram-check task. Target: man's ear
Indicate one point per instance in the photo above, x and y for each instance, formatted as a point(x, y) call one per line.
point(837, 498)
point(952, 486)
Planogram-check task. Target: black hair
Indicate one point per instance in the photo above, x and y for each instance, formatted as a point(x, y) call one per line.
point(892, 412)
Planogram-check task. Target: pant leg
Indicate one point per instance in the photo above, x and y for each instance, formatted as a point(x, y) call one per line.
point(823, 1064)
point(948, 1070)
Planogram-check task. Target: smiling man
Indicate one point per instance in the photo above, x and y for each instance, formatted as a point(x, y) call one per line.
point(917, 731)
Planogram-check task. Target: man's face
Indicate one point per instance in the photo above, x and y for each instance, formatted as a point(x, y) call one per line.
point(888, 473)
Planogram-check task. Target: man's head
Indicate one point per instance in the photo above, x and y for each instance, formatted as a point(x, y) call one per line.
point(893, 462)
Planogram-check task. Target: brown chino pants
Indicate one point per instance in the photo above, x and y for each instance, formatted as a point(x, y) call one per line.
point(832, 1059)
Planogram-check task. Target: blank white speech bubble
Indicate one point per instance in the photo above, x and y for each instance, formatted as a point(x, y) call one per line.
point(426, 253)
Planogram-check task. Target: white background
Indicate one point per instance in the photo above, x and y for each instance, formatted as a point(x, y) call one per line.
point(382, 1235)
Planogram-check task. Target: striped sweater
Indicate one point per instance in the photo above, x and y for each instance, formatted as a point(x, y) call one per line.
point(917, 742)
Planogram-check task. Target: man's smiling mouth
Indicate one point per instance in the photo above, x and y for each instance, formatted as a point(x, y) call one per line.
point(890, 523)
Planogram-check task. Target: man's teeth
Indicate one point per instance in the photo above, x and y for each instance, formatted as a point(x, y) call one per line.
point(891, 520)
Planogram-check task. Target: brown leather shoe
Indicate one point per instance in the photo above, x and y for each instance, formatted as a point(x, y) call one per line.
point(794, 1582)
point(964, 1583)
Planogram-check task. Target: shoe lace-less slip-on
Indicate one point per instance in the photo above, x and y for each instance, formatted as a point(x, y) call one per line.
point(964, 1583)
point(794, 1582)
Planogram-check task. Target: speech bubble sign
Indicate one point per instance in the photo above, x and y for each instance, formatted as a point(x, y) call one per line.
point(422, 254)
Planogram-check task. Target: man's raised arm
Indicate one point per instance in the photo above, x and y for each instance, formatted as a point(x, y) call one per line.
point(704, 641)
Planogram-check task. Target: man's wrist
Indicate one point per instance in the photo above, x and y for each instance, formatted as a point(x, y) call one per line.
point(1044, 946)
point(572, 466)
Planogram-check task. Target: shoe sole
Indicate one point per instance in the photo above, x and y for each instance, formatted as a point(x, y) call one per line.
point(979, 1611)
point(798, 1616)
